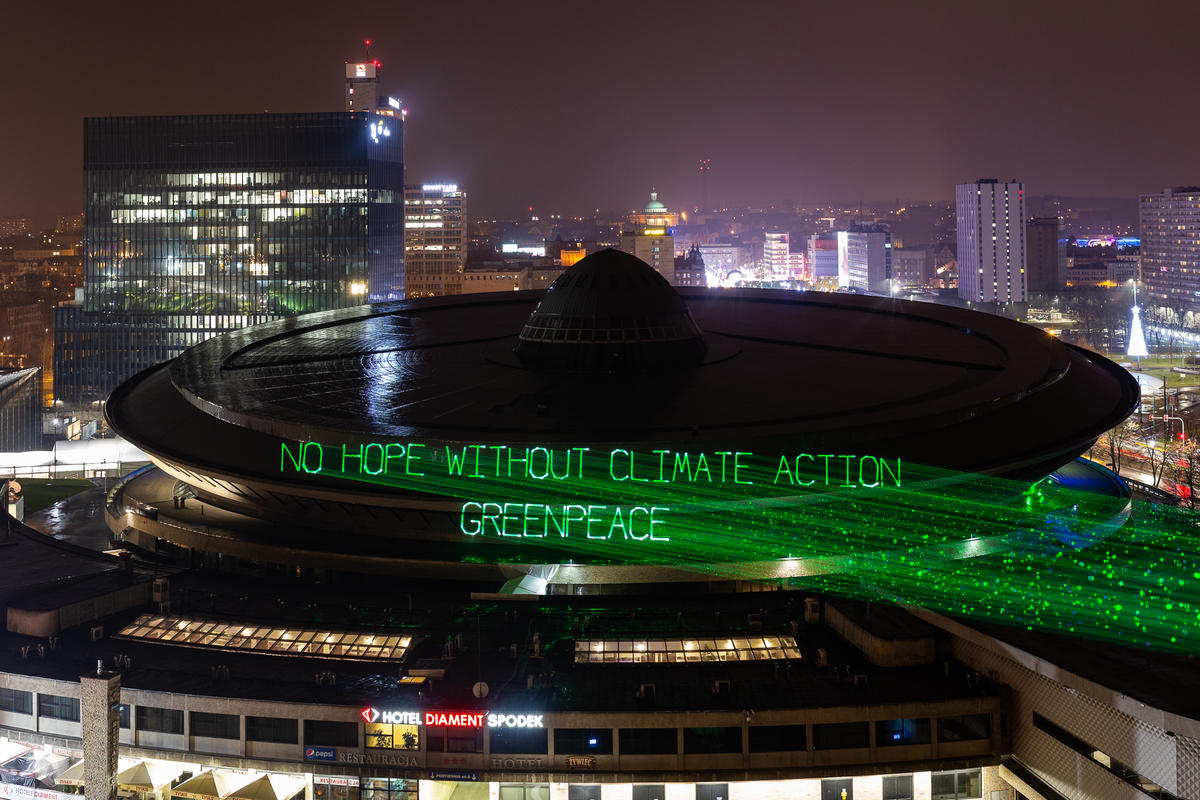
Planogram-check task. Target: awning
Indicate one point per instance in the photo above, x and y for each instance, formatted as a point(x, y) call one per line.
point(73, 776)
point(10, 750)
point(268, 787)
point(208, 785)
point(146, 776)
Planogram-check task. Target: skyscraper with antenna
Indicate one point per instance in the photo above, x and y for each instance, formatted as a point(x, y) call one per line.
point(362, 87)
point(362, 82)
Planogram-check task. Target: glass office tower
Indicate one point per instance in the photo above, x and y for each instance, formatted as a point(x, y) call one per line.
point(198, 225)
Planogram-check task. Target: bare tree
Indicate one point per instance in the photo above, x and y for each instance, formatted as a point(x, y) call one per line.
point(1187, 469)
point(1159, 459)
point(1111, 445)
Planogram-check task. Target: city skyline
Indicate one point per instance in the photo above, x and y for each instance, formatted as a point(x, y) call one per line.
point(809, 104)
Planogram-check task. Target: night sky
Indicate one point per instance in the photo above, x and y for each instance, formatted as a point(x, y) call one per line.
point(569, 107)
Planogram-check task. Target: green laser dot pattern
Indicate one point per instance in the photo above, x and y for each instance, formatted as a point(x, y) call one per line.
point(1044, 557)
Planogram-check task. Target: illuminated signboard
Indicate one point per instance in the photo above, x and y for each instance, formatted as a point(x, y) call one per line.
point(377, 130)
point(360, 70)
point(394, 103)
point(452, 719)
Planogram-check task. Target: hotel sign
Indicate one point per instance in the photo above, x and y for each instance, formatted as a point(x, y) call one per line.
point(452, 719)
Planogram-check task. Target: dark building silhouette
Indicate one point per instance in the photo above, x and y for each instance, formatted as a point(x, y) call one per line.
point(1046, 255)
point(689, 269)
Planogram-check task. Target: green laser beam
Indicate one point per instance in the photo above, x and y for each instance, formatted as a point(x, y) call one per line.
point(1044, 557)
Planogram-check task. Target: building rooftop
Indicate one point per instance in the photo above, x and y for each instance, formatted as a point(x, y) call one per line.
point(524, 650)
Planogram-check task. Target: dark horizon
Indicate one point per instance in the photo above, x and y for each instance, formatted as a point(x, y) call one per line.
point(808, 103)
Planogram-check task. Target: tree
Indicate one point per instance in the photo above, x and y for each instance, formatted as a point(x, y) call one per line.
point(1159, 458)
point(1187, 469)
point(1111, 445)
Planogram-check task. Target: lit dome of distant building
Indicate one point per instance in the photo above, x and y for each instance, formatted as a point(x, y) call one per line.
point(655, 216)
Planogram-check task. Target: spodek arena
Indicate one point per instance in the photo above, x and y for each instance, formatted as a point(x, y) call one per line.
point(621, 541)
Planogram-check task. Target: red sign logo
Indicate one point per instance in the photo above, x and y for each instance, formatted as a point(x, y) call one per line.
point(452, 719)
point(369, 715)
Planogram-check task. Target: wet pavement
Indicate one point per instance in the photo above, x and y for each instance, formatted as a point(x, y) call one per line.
point(79, 519)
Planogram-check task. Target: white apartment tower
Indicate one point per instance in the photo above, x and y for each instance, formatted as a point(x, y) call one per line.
point(435, 240)
point(991, 241)
point(776, 254)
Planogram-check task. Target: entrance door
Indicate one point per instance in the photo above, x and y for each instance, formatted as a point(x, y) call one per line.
point(837, 789)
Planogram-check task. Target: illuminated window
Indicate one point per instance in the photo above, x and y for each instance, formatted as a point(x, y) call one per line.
point(680, 651)
point(191, 632)
point(380, 736)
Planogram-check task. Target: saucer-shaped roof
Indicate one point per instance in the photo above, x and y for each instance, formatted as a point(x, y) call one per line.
point(610, 312)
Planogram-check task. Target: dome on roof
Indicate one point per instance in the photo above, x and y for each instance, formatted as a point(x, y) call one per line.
point(655, 204)
point(611, 311)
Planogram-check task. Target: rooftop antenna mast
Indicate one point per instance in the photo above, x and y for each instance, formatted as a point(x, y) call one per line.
point(367, 45)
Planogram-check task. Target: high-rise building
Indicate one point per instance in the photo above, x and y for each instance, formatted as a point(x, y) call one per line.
point(15, 226)
point(721, 257)
point(362, 86)
point(652, 238)
point(913, 265)
point(868, 258)
point(435, 239)
point(823, 257)
point(654, 246)
point(991, 241)
point(362, 91)
point(776, 252)
point(1045, 255)
point(21, 409)
point(1170, 265)
point(197, 225)
point(68, 223)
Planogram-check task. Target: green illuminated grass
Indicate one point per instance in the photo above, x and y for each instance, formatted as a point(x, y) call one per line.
point(40, 493)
